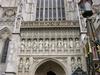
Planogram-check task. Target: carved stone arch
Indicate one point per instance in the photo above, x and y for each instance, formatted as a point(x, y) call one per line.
point(51, 59)
point(5, 33)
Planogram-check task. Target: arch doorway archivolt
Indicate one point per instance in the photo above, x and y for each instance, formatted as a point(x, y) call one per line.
point(50, 67)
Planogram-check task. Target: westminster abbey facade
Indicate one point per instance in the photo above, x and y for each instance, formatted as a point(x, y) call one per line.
point(41, 37)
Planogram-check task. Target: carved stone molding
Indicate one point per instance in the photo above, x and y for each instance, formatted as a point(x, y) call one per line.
point(41, 24)
point(8, 14)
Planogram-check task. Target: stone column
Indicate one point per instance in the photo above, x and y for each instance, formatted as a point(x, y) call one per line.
point(1, 47)
point(84, 66)
point(69, 65)
point(14, 47)
point(14, 44)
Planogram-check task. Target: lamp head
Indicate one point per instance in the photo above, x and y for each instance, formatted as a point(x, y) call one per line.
point(86, 7)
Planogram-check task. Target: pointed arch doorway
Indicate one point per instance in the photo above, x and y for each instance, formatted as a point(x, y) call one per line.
point(50, 68)
point(51, 73)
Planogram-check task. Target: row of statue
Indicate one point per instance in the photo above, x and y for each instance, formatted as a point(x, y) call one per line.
point(45, 44)
point(76, 63)
point(24, 66)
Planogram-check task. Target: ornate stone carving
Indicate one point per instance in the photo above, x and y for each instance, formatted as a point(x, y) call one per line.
point(70, 5)
point(9, 14)
point(35, 24)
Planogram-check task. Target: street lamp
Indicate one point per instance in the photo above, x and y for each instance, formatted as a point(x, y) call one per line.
point(86, 8)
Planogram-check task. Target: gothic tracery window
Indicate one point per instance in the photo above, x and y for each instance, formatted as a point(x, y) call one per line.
point(50, 10)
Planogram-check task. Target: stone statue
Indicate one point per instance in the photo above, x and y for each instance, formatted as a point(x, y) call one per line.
point(65, 44)
point(20, 66)
point(35, 44)
point(46, 43)
point(18, 22)
point(22, 46)
point(40, 44)
point(20, 8)
point(29, 44)
point(27, 65)
point(71, 43)
point(52, 45)
point(73, 64)
point(60, 43)
point(77, 43)
point(79, 62)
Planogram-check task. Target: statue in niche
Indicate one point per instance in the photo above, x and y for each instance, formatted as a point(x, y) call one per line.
point(22, 45)
point(65, 43)
point(73, 63)
point(29, 44)
point(27, 65)
point(26, 45)
point(79, 62)
point(47, 43)
point(77, 43)
point(18, 23)
point(55, 43)
point(20, 7)
point(59, 43)
point(52, 44)
point(35, 45)
point(40, 44)
point(71, 43)
point(20, 66)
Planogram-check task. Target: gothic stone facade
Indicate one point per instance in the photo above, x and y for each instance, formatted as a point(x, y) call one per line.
point(35, 44)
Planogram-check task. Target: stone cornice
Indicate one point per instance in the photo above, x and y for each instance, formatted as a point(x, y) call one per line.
point(43, 24)
point(42, 56)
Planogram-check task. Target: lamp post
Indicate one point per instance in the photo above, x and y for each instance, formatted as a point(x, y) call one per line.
point(86, 8)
